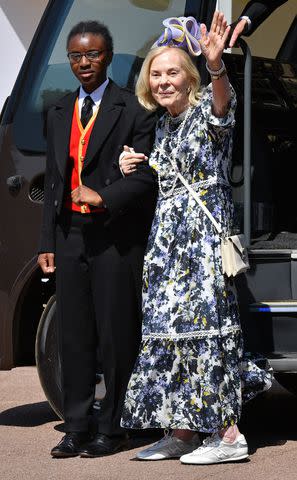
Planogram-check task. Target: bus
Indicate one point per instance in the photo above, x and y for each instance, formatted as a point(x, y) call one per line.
point(267, 292)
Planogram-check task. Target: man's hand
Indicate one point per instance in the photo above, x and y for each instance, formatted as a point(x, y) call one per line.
point(83, 194)
point(237, 31)
point(46, 261)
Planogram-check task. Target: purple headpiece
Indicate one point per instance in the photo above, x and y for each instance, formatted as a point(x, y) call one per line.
point(182, 32)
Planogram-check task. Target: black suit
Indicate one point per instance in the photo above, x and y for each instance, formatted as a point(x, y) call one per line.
point(99, 256)
point(120, 121)
point(258, 11)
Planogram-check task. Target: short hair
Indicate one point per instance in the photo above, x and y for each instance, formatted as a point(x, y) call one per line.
point(143, 90)
point(94, 27)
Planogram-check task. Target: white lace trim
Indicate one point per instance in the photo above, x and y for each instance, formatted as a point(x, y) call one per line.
point(196, 186)
point(202, 334)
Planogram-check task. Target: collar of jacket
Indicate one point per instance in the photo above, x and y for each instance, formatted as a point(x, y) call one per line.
point(111, 107)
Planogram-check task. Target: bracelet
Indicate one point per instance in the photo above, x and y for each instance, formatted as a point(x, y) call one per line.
point(216, 72)
point(216, 77)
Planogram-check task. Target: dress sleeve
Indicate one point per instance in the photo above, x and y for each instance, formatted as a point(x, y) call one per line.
point(213, 122)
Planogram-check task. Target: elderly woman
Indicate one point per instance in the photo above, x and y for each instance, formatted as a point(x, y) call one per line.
point(189, 373)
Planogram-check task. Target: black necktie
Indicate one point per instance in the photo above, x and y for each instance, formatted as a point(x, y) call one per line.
point(86, 111)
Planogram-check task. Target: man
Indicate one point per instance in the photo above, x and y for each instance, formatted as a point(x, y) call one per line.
point(94, 231)
point(254, 13)
point(252, 16)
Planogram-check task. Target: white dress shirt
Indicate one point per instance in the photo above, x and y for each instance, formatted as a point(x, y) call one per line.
point(96, 96)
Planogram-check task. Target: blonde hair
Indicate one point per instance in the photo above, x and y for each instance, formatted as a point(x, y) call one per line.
point(143, 90)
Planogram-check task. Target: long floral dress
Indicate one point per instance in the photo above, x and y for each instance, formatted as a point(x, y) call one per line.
point(191, 372)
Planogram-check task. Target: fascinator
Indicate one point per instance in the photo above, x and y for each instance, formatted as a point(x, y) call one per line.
point(182, 32)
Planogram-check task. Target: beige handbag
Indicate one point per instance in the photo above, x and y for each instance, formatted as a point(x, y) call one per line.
point(234, 255)
point(233, 250)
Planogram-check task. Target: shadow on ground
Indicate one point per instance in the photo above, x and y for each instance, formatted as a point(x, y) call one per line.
point(270, 419)
point(29, 415)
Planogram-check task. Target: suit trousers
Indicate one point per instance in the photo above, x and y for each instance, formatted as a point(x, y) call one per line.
point(98, 305)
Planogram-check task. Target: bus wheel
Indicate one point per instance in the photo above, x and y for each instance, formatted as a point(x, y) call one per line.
point(48, 358)
point(49, 364)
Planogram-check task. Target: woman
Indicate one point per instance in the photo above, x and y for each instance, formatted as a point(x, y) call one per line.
point(188, 374)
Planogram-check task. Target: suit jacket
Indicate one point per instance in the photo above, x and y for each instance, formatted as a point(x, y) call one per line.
point(258, 11)
point(129, 201)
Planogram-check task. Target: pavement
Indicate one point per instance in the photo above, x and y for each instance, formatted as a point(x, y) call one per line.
point(29, 428)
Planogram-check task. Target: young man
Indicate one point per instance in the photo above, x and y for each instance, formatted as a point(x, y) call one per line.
point(94, 231)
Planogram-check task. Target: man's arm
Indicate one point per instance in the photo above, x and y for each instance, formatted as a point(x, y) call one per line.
point(254, 13)
point(127, 191)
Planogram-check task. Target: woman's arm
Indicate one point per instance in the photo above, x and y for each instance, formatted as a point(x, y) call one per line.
point(129, 160)
point(212, 46)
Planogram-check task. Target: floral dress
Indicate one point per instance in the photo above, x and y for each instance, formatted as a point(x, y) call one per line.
point(191, 372)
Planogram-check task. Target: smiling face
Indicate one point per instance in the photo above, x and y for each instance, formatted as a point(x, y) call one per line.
point(90, 73)
point(169, 82)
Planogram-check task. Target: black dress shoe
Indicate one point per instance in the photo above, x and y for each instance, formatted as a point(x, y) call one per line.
point(70, 445)
point(104, 445)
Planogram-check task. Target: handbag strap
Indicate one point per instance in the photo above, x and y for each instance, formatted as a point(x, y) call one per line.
point(200, 203)
point(195, 195)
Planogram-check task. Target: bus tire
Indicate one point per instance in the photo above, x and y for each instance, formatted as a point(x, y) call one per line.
point(47, 357)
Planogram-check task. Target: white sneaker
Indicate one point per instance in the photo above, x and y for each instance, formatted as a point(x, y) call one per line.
point(168, 447)
point(215, 450)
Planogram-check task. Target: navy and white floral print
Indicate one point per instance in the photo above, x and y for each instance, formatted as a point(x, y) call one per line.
point(191, 372)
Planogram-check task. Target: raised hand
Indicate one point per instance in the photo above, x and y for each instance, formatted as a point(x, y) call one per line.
point(213, 42)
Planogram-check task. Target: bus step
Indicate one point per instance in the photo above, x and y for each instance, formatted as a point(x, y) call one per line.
point(285, 306)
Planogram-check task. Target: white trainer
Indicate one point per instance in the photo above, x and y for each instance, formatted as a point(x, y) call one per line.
point(169, 447)
point(215, 450)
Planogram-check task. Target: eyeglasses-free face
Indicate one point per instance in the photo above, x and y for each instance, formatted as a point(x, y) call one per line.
point(169, 82)
point(89, 59)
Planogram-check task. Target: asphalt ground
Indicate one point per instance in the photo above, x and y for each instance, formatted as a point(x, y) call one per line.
point(29, 428)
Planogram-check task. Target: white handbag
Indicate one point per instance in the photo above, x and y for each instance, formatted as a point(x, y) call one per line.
point(233, 249)
point(234, 255)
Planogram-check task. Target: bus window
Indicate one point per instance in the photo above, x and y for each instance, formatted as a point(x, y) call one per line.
point(50, 76)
